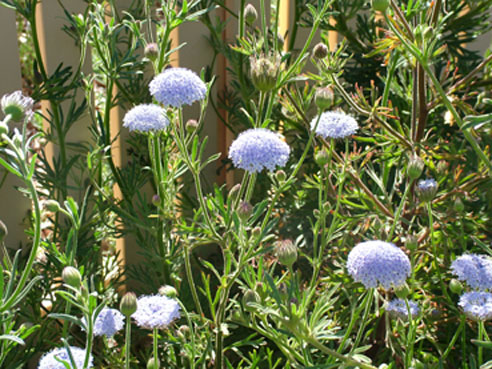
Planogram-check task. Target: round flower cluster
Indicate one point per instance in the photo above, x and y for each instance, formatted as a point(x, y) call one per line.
point(335, 125)
point(146, 117)
point(156, 311)
point(475, 270)
point(177, 87)
point(398, 309)
point(477, 305)
point(108, 322)
point(376, 263)
point(259, 148)
point(49, 360)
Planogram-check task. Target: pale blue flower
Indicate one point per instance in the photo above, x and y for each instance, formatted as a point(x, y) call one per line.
point(376, 263)
point(108, 322)
point(334, 124)
point(177, 87)
point(427, 189)
point(49, 360)
point(257, 149)
point(398, 309)
point(475, 270)
point(477, 305)
point(156, 311)
point(146, 117)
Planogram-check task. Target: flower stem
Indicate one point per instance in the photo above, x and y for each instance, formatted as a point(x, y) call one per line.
point(399, 210)
point(156, 359)
point(128, 337)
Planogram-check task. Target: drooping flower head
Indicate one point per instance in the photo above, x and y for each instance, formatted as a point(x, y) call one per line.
point(475, 270)
point(17, 105)
point(49, 360)
point(177, 87)
point(398, 309)
point(477, 305)
point(376, 263)
point(427, 189)
point(108, 322)
point(257, 149)
point(156, 311)
point(146, 117)
point(335, 125)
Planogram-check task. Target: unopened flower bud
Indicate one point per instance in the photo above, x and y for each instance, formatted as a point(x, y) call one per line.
point(458, 205)
point(128, 304)
point(280, 175)
point(256, 231)
point(321, 157)
point(250, 297)
point(403, 291)
point(17, 105)
point(455, 286)
point(415, 167)
point(427, 189)
point(286, 252)
point(411, 242)
point(151, 51)
point(250, 14)
point(264, 72)
point(380, 5)
point(168, 291)
point(4, 128)
point(156, 200)
point(72, 277)
point(244, 210)
point(234, 191)
point(183, 332)
point(324, 97)
point(152, 364)
point(52, 205)
point(320, 51)
point(191, 125)
point(3, 231)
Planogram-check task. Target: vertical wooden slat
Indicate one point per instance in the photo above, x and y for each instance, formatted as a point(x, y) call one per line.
point(14, 206)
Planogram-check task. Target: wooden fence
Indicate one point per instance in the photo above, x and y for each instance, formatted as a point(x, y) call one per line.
point(58, 47)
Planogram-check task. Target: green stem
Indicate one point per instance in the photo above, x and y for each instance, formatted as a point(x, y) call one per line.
point(90, 335)
point(399, 210)
point(410, 336)
point(156, 342)
point(191, 281)
point(128, 337)
point(365, 316)
point(481, 329)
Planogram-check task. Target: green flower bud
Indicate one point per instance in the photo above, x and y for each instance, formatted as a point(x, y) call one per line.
point(191, 125)
point(256, 231)
point(151, 51)
point(286, 252)
point(128, 304)
point(455, 286)
point(234, 191)
point(264, 72)
point(17, 106)
point(168, 291)
point(72, 277)
point(250, 297)
point(244, 210)
point(403, 291)
point(322, 157)
point(320, 51)
point(415, 167)
point(3, 231)
point(380, 5)
point(280, 175)
point(52, 205)
point(152, 364)
point(411, 243)
point(427, 189)
point(458, 205)
point(156, 200)
point(250, 14)
point(324, 97)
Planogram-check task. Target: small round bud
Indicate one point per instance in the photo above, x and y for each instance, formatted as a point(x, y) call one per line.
point(17, 139)
point(411, 242)
point(250, 14)
point(320, 51)
point(152, 364)
point(455, 286)
point(458, 205)
point(72, 277)
point(316, 213)
point(244, 210)
point(4, 128)
point(322, 157)
point(280, 175)
point(442, 167)
point(264, 72)
point(380, 5)
point(234, 191)
point(191, 125)
point(250, 297)
point(128, 304)
point(156, 200)
point(183, 332)
point(324, 97)
point(286, 252)
point(326, 206)
point(403, 291)
point(17, 106)
point(168, 291)
point(256, 231)
point(151, 51)
point(415, 167)
point(52, 205)
point(3, 231)
point(427, 189)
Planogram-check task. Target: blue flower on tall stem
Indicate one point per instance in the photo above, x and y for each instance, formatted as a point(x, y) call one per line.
point(145, 118)
point(336, 125)
point(475, 270)
point(54, 358)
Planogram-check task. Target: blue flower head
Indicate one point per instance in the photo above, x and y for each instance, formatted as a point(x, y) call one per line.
point(427, 189)
point(156, 311)
point(146, 117)
point(475, 270)
point(376, 263)
point(334, 125)
point(177, 87)
point(257, 149)
point(477, 305)
point(398, 309)
point(49, 360)
point(108, 322)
